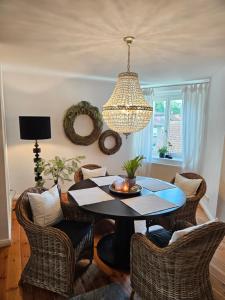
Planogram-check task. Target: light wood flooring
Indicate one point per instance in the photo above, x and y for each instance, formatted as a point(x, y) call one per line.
point(14, 258)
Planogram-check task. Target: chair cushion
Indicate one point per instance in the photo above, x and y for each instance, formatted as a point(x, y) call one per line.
point(93, 173)
point(159, 236)
point(189, 186)
point(74, 230)
point(46, 207)
point(180, 233)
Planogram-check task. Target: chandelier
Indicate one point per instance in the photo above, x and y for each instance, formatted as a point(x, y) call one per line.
point(127, 110)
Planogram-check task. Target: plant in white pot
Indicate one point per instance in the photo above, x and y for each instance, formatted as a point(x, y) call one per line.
point(131, 166)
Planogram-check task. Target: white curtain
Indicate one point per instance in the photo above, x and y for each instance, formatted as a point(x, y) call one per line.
point(142, 140)
point(195, 98)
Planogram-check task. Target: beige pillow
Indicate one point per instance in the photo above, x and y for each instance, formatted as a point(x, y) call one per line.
point(180, 233)
point(189, 186)
point(93, 173)
point(46, 207)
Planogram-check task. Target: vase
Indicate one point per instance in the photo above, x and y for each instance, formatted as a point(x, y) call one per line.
point(131, 181)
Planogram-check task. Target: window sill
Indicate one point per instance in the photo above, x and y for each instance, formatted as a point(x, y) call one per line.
point(167, 161)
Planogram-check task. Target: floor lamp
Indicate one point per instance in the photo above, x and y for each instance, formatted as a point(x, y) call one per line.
point(35, 128)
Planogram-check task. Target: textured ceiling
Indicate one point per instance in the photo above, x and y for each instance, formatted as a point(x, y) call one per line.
point(175, 39)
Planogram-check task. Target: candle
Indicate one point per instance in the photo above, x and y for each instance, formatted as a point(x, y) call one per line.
point(118, 185)
point(125, 187)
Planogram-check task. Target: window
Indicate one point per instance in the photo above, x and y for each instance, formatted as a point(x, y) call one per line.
point(167, 123)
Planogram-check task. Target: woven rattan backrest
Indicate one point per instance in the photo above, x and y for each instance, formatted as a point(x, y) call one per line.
point(202, 187)
point(23, 209)
point(198, 246)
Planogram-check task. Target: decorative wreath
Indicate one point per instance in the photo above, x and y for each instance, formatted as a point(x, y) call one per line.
point(101, 142)
point(82, 108)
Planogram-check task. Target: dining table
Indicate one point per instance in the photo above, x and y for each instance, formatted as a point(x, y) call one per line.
point(114, 248)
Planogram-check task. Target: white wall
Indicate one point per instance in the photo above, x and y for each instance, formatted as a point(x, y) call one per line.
point(215, 130)
point(33, 94)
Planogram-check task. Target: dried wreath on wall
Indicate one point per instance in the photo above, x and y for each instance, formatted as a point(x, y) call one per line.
point(101, 142)
point(82, 108)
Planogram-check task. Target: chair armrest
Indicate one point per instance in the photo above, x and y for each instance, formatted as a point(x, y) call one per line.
point(180, 224)
point(140, 241)
point(146, 261)
point(50, 238)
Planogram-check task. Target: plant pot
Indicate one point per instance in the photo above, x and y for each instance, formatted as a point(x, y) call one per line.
point(161, 155)
point(168, 156)
point(131, 181)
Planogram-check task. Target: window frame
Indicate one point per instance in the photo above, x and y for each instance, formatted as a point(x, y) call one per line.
point(167, 95)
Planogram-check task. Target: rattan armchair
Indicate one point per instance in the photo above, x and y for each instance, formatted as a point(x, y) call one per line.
point(78, 176)
point(53, 255)
point(179, 271)
point(188, 211)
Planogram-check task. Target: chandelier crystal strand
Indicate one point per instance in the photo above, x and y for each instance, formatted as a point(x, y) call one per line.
point(126, 110)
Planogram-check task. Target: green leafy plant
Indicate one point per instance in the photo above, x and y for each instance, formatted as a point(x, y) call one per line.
point(61, 168)
point(162, 151)
point(131, 166)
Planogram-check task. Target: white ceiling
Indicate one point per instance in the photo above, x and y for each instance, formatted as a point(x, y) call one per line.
point(175, 39)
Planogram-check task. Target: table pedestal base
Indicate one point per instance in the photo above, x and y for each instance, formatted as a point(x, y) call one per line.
point(114, 249)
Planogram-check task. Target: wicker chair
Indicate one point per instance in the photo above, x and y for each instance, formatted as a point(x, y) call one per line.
point(187, 212)
point(53, 256)
point(78, 176)
point(179, 271)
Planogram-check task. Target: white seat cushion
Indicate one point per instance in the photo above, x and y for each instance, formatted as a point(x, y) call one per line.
point(93, 173)
point(180, 233)
point(46, 207)
point(189, 186)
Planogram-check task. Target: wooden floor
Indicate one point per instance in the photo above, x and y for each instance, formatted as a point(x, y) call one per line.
point(14, 258)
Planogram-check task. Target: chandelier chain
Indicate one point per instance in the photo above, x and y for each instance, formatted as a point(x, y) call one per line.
point(128, 60)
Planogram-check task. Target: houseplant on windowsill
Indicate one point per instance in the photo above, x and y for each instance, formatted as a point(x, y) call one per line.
point(131, 166)
point(163, 151)
point(60, 168)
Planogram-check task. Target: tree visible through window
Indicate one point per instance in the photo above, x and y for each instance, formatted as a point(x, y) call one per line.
point(167, 125)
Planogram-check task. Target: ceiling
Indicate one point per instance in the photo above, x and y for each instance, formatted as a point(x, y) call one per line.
point(175, 39)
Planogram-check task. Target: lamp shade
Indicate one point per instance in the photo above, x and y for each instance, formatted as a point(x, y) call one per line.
point(34, 128)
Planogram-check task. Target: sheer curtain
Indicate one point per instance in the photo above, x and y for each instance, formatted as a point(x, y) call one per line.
point(194, 110)
point(142, 140)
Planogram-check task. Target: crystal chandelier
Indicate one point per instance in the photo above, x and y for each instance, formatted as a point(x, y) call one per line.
point(127, 110)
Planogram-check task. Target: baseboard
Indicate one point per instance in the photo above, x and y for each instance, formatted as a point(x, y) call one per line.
point(5, 243)
point(206, 211)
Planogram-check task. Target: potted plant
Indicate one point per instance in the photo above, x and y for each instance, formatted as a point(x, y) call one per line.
point(61, 168)
point(162, 151)
point(131, 166)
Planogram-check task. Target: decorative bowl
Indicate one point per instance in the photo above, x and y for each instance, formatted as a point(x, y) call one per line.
point(130, 192)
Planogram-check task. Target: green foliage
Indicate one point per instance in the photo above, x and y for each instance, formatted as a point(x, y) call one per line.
point(131, 166)
point(176, 107)
point(159, 106)
point(163, 150)
point(61, 168)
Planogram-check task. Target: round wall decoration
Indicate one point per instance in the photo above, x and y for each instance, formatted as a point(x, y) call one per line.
point(82, 108)
point(101, 142)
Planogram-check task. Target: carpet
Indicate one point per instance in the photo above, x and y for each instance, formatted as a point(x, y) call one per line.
point(111, 291)
point(88, 277)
